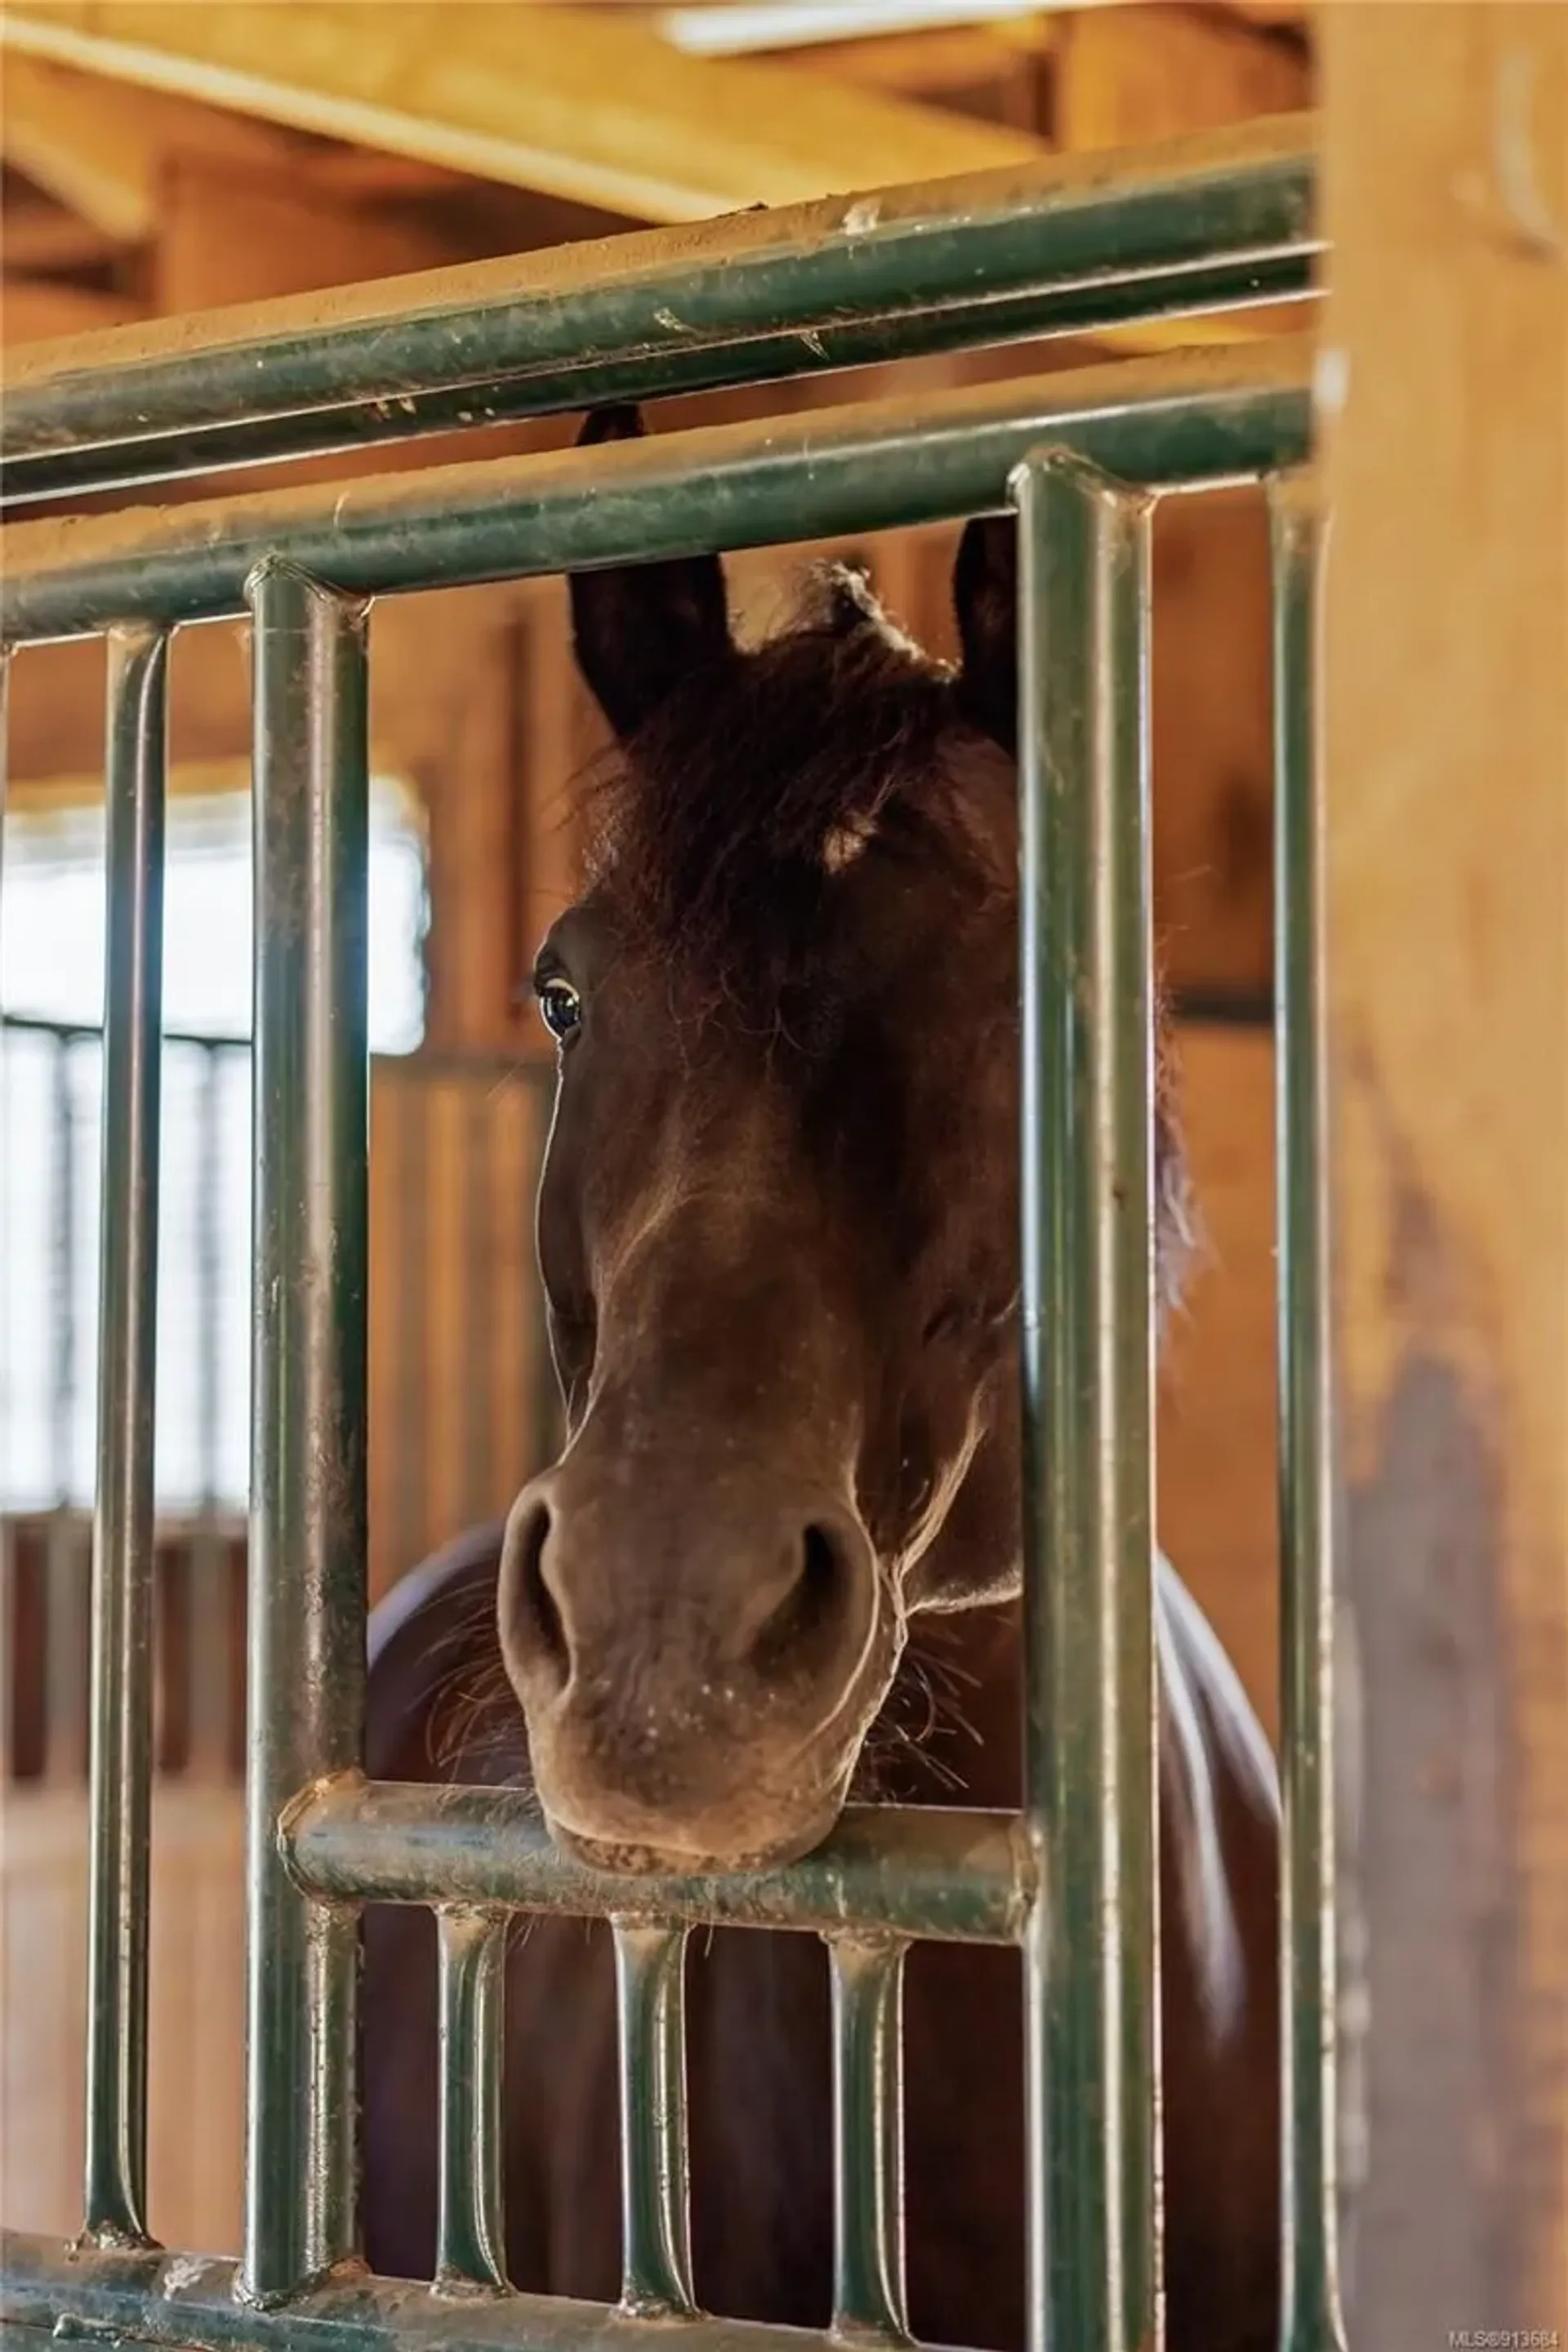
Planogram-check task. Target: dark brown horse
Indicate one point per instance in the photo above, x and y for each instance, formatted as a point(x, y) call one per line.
point(776, 1564)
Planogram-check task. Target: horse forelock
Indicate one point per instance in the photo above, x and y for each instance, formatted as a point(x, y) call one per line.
point(719, 829)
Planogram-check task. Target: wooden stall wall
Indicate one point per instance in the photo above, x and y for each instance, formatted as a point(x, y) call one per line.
point(196, 2010)
point(462, 1402)
point(1443, 398)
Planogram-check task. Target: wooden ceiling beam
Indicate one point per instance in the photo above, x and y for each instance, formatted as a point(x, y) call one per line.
point(227, 235)
point(570, 101)
point(100, 149)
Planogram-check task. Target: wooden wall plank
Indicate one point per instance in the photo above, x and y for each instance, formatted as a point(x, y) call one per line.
point(453, 738)
point(1213, 743)
point(1443, 393)
point(1126, 76)
point(1219, 1447)
point(197, 2036)
point(227, 234)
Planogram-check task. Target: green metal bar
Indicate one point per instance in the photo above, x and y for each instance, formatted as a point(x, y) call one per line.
point(308, 1468)
point(470, 2231)
point(1311, 2320)
point(655, 2201)
point(1091, 1953)
point(1235, 285)
point(917, 1871)
point(1074, 243)
point(197, 2304)
point(119, 1765)
point(868, 2137)
point(1187, 416)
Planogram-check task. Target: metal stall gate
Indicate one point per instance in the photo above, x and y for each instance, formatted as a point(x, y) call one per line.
point(1210, 222)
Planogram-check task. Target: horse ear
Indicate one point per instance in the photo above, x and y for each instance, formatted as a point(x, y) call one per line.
point(985, 603)
point(639, 628)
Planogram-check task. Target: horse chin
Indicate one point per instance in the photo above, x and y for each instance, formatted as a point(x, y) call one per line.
point(705, 1858)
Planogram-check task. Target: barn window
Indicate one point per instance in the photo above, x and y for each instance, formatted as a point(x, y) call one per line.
point(51, 1011)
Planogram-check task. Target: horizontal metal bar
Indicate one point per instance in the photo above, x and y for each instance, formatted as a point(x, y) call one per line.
point(1185, 417)
point(190, 2301)
point(1232, 287)
point(1070, 245)
point(927, 1870)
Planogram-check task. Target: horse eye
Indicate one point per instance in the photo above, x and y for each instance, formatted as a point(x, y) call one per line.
point(560, 1007)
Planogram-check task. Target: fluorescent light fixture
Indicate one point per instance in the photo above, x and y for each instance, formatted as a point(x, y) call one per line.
point(729, 30)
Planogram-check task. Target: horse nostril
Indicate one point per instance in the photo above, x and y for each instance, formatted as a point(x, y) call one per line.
point(538, 1620)
point(806, 1625)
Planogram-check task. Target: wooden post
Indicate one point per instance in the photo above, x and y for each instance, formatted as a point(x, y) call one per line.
point(1444, 395)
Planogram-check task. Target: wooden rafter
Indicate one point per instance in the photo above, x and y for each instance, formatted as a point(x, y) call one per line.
point(100, 149)
point(570, 101)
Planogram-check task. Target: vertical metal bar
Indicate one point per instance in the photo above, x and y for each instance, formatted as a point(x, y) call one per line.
point(412, 1162)
point(207, 1697)
point(68, 1559)
point(62, 1369)
point(1310, 2319)
point(209, 1393)
point(656, 2247)
point(470, 2237)
point(307, 1606)
point(477, 1311)
point(1090, 1954)
point(121, 1710)
point(869, 2136)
